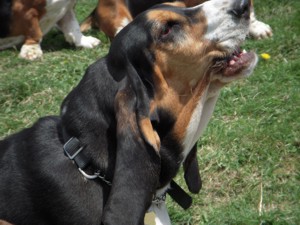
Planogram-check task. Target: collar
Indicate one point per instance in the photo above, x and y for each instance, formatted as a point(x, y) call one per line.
point(179, 195)
point(73, 149)
point(157, 200)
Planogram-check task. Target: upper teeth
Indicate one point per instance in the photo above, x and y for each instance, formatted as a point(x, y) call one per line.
point(244, 51)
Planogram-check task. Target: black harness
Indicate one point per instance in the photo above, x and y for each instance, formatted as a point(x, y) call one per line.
point(73, 149)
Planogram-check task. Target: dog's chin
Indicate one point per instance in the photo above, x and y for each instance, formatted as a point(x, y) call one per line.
point(236, 65)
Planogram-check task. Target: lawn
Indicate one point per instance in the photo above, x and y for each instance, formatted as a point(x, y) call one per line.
point(249, 156)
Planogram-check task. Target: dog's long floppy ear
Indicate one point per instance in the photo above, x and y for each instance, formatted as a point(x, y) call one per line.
point(133, 107)
point(142, 111)
point(191, 171)
point(137, 168)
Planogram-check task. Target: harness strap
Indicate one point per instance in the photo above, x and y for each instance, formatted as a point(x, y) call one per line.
point(73, 150)
point(179, 195)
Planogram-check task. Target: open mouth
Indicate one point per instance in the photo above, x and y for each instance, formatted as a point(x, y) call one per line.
point(235, 63)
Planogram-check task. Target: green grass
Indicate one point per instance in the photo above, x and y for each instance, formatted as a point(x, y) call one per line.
point(251, 149)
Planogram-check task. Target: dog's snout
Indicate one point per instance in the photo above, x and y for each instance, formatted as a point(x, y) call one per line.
point(241, 9)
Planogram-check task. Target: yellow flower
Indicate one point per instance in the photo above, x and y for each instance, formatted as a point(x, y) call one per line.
point(265, 56)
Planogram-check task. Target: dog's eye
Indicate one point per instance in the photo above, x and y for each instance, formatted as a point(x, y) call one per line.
point(165, 31)
point(168, 28)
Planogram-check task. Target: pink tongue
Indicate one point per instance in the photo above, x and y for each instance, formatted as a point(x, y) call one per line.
point(237, 63)
point(232, 62)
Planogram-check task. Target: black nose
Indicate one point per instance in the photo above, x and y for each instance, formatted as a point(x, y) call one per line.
point(241, 9)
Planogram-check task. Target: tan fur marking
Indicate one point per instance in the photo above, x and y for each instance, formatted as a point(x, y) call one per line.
point(180, 99)
point(149, 133)
point(178, 4)
point(185, 115)
point(163, 16)
point(126, 118)
point(182, 68)
point(2, 222)
point(110, 15)
point(25, 20)
point(161, 84)
point(89, 22)
point(178, 96)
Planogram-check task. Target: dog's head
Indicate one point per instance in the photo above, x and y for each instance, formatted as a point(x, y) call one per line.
point(184, 44)
point(175, 54)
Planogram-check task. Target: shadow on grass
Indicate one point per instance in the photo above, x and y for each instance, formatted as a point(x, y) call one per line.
point(55, 40)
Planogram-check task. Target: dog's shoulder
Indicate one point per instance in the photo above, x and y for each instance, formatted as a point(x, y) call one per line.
point(22, 152)
point(41, 129)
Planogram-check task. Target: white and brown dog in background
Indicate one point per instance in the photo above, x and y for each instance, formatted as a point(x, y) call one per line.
point(110, 16)
point(26, 21)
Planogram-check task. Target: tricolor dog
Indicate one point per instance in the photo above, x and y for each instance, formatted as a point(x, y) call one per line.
point(111, 16)
point(131, 122)
point(26, 21)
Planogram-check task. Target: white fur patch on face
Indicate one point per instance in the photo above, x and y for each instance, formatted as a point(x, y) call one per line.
point(222, 28)
point(123, 24)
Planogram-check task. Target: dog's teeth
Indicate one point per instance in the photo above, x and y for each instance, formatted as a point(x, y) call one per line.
point(244, 51)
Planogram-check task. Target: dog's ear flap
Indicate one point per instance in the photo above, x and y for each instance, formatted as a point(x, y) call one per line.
point(132, 107)
point(137, 166)
point(143, 118)
point(134, 98)
point(191, 171)
point(149, 134)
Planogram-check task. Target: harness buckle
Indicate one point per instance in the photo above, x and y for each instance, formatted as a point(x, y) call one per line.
point(87, 176)
point(159, 199)
point(72, 148)
point(94, 176)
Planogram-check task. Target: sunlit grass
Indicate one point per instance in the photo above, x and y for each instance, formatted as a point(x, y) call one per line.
point(250, 151)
